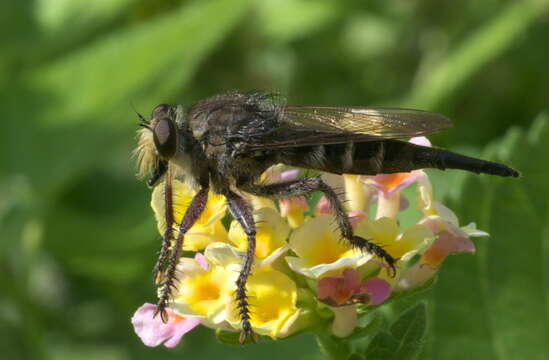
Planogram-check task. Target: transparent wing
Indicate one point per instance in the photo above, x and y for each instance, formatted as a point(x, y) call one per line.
point(375, 121)
point(309, 125)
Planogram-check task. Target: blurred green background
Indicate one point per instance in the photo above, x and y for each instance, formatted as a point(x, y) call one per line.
point(77, 235)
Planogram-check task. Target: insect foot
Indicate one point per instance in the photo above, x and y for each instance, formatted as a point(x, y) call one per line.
point(247, 333)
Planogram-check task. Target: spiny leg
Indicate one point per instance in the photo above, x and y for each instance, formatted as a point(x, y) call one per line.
point(194, 211)
point(168, 233)
point(243, 214)
point(307, 185)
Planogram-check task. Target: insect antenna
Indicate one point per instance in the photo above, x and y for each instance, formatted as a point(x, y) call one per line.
point(143, 122)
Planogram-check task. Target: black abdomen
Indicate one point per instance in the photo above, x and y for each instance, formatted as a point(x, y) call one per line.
point(385, 157)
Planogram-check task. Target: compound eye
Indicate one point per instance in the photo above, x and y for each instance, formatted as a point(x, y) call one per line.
point(165, 137)
point(161, 111)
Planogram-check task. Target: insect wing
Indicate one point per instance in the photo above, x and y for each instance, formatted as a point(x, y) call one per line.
point(309, 125)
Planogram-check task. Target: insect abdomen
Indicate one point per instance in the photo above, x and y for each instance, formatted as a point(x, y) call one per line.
point(385, 157)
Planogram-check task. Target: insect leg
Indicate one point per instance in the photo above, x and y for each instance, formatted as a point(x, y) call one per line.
point(307, 185)
point(194, 211)
point(168, 233)
point(158, 171)
point(243, 214)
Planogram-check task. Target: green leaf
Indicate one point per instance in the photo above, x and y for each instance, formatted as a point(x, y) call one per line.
point(442, 79)
point(356, 356)
point(333, 348)
point(160, 55)
point(81, 100)
point(277, 22)
point(373, 322)
point(495, 304)
point(405, 340)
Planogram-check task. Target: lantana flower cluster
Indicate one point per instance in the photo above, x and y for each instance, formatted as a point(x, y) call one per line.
point(305, 276)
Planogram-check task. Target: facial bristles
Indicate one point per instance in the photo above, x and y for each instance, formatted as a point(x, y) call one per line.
point(145, 153)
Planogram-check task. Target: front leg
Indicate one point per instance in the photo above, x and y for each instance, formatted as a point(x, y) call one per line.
point(307, 185)
point(243, 214)
point(196, 207)
point(168, 233)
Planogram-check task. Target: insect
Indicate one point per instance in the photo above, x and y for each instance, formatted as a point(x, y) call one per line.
point(224, 143)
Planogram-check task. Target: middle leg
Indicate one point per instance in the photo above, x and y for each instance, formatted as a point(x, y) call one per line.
point(307, 185)
point(243, 214)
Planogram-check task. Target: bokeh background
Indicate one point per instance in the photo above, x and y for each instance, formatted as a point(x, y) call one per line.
point(77, 237)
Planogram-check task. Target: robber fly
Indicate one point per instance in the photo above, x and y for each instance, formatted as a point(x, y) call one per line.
point(224, 143)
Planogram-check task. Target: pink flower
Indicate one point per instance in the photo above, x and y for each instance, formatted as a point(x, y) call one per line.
point(347, 289)
point(201, 260)
point(289, 175)
point(420, 140)
point(451, 239)
point(377, 288)
point(292, 204)
point(356, 216)
point(389, 184)
point(445, 244)
point(154, 332)
point(323, 206)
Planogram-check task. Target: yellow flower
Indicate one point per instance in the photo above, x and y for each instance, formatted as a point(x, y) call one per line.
point(294, 210)
point(203, 291)
point(272, 232)
point(385, 232)
point(208, 227)
point(321, 250)
point(273, 297)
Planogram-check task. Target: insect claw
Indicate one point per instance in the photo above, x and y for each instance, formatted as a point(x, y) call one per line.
point(161, 309)
point(247, 334)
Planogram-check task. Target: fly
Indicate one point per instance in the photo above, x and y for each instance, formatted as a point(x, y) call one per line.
point(224, 143)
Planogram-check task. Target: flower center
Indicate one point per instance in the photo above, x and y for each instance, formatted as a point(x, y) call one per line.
point(267, 312)
point(390, 181)
point(207, 290)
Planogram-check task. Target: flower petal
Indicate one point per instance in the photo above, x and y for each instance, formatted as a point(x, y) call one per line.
point(153, 332)
point(269, 260)
point(289, 175)
point(323, 206)
point(389, 184)
point(315, 272)
point(356, 216)
point(351, 279)
point(327, 287)
point(446, 244)
point(421, 141)
point(378, 289)
point(471, 230)
point(271, 233)
point(414, 240)
point(294, 209)
point(181, 328)
point(222, 254)
point(274, 297)
point(201, 260)
point(204, 230)
point(415, 276)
